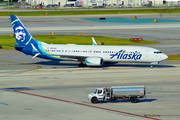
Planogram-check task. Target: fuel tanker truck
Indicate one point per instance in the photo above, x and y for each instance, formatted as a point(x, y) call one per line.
point(133, 93)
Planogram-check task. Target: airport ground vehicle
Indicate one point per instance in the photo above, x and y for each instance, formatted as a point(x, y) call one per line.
point(120, 5)
point(129, 5)
point(118, 92)
point(52, 6)
point(96, 4)
point(148, 4)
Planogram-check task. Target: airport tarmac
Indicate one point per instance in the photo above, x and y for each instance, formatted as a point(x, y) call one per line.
point(41, 89)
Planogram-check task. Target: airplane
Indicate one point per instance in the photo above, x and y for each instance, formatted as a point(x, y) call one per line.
point(87, 55)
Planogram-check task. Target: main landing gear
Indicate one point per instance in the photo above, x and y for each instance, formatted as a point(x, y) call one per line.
point(81, 64)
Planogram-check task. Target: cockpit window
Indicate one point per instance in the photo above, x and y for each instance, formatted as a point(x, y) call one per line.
point(157, 52)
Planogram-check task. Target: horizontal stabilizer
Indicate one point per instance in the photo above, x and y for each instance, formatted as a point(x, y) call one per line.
point(34, 48)
point(36, 55)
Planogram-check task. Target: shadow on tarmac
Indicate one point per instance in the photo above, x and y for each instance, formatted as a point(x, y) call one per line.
point(125, 101)
point(16, 89)
point(75, 65)
point(137, 65)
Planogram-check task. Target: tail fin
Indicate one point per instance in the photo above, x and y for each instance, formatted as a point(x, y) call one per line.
point(22, 35)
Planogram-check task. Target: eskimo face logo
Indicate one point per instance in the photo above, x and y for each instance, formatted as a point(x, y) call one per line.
point(123, 55)
point(20, 34)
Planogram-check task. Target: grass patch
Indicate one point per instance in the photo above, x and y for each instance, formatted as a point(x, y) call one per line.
point(174, 57)
point(75, 39)
point(87, 11)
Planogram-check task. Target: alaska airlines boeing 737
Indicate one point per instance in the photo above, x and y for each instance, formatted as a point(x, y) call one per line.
point(90, 55)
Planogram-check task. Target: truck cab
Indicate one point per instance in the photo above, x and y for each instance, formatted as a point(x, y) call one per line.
point(100, 94)
point(97, 95)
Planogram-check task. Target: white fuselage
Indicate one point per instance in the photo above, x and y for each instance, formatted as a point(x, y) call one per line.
point(108, 53)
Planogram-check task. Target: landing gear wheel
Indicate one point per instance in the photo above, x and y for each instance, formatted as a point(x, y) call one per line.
point(151, 66)
point(81, 65)
point(133, 100)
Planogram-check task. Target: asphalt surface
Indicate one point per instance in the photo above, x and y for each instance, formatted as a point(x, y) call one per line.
point(43, 89)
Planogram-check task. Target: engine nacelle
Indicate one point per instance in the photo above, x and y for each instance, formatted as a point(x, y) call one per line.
point(94, 61)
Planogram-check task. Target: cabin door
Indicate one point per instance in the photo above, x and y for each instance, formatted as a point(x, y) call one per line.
point(147, 53)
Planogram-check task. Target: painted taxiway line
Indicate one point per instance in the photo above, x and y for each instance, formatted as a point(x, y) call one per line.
point(18, 71)
point(117, 111)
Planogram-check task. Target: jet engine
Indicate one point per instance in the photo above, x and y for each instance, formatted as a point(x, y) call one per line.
point(94, 61)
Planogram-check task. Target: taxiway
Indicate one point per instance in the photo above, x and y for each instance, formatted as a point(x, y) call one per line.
point(41, 89)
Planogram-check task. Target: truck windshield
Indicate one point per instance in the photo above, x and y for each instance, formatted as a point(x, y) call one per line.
point(95, 91)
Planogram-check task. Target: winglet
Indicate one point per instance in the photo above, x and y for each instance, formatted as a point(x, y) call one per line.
point(94, 41)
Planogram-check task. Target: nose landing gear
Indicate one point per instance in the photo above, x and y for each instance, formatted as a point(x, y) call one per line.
point(153, 63)
point(81, 64)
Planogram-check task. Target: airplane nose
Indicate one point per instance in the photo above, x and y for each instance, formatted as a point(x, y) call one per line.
point(164, 56)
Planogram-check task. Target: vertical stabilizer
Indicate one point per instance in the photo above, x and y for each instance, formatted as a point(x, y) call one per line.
point(22, 35)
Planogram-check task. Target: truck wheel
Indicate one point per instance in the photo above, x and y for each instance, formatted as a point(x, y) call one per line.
point(94, 100)
point(133, 99)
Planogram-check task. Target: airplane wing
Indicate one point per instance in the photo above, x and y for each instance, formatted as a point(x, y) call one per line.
point(69, 57)
point(73, 57)
point(65, 57)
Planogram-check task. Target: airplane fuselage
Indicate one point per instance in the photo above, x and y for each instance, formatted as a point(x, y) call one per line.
point(106, 52)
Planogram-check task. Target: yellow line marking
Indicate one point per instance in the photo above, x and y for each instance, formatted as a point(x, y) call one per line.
point(152, 115)
point(109, 34)
point(81, 33)
point(174, 61)
point(37, 66)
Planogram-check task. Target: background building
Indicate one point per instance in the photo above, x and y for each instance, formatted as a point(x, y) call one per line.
point(134, 3)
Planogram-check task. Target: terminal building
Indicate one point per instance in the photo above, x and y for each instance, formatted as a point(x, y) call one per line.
point(112, 3)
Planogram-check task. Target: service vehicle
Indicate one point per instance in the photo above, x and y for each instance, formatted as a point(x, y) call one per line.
point(133, 93)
